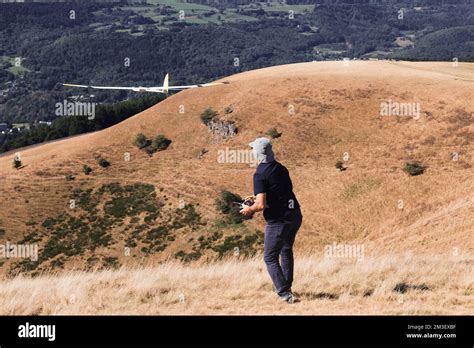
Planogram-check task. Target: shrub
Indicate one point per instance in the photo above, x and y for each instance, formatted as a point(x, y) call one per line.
point(246, 246)
point(117, 207)
point(149, 150)
point(160, 143)
point(192, 256)
point(340, 165)
point(414, 168)
point(70, 177)
point(273, 133)
point(86, 169)
point(141, 141)
point(208, 115)
point(110, 262)
point(30, 223)
point(17, 163)
point(103, 162)
point(186, 216)
point(225, 203)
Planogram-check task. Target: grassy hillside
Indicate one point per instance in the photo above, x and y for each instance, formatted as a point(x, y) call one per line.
point(151, 207)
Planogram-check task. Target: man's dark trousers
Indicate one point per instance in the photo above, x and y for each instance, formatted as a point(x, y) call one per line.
point(279, 240)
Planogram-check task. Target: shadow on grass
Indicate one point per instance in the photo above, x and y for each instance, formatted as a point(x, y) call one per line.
point(311, 296)
point(404, 287)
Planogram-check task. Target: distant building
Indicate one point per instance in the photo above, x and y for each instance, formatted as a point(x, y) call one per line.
point(21, 126)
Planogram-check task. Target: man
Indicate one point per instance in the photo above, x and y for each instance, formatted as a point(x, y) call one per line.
point(274, 195)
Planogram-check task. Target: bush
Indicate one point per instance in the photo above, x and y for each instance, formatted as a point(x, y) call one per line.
point(186, 216)
point(208, 115)
point(110, 262)
point(141, 141)
point(103, 162)
point(149, 150)
point(86, 169)
point(192, 256)
point(273, 133)
point(17, 163)
point(160, 143)
point(225, 203)
point(246, 246)
point(414, 168)
point(340, 165)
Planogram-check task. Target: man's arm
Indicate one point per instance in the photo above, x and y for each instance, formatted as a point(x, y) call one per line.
point(258, 205)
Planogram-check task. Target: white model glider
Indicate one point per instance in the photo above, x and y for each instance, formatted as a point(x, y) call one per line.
point(164, 89)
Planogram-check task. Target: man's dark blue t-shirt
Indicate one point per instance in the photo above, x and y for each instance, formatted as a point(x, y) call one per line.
point(273, 179)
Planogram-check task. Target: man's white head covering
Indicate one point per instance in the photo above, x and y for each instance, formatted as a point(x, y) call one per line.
point(262, 150)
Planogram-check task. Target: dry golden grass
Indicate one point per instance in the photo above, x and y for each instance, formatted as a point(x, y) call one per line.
point(325, 286)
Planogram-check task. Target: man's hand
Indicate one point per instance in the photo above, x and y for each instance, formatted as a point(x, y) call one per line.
point(258, 205)
point(246, 211)
point(249, 200)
